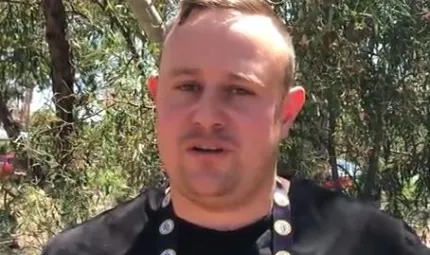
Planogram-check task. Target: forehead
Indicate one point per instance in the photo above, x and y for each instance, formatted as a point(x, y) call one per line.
point(227, 39)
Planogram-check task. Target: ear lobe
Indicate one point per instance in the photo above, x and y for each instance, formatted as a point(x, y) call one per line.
point(292, 106)
point(152, 83)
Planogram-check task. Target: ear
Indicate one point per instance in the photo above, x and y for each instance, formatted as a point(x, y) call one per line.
point(152, 83)
point(292, 105)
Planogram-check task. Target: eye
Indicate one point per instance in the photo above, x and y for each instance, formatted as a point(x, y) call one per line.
point(239, 91)
point(189, 87)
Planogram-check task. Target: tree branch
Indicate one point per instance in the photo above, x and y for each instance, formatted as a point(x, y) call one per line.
point(149, 19)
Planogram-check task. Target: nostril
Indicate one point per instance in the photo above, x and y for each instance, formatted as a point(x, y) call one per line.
point(208, 115)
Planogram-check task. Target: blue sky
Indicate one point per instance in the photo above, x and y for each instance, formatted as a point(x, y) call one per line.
point(40, 99)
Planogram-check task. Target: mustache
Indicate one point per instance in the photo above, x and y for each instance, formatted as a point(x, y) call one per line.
point(212, 135)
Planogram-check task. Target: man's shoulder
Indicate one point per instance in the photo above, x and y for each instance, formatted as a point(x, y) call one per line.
point(111, 232)
point(331, 220)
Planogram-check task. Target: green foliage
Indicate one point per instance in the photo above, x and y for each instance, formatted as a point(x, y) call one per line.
point(23, 64)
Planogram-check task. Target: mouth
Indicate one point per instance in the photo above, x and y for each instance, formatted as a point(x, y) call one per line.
point(204, 149)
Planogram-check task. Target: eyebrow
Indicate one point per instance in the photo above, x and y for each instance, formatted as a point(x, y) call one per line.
point(183, 71)
point(241, 77)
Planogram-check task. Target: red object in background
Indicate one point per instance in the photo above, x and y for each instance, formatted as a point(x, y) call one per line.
point(345, 183)
point(6, 166)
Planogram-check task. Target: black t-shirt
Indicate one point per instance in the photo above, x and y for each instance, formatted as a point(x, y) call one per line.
point(197, 240)
point(324, 222)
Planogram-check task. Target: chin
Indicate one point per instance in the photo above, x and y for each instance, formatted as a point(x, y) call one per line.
point(208, 189)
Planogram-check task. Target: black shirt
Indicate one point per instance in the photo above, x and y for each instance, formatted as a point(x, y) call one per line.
point(207, 241)
point(323, 222)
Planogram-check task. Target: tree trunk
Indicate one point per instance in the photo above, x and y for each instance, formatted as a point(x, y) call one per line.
point(62, 73)
point(149, 19)
point(333, 114)
point(375, 125)
point(11, 126)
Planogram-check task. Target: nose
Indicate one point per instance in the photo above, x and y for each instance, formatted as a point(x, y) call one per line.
point(208, 113)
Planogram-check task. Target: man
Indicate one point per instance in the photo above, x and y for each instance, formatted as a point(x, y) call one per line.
point(225, 100)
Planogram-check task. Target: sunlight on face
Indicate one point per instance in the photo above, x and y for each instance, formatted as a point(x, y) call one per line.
point(218, 89)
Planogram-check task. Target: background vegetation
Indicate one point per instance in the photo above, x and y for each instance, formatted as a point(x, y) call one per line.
point(365, 65)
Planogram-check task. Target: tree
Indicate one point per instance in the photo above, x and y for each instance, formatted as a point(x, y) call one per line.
point(62, 73)
point(365, 67)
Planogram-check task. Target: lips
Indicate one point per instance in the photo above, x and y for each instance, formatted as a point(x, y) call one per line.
point(207, 149)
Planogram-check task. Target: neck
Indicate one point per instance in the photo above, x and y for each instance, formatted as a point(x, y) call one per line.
point(254, 207)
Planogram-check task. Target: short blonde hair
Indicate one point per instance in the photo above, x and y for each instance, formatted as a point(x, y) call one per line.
point(260, 7)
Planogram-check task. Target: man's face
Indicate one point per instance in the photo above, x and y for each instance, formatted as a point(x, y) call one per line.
point(221, 112)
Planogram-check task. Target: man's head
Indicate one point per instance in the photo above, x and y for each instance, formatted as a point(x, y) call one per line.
point(224, 99)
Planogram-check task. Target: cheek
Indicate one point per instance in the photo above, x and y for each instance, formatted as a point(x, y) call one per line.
point(167, 124)
point(168, 117)
point(258, 131)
